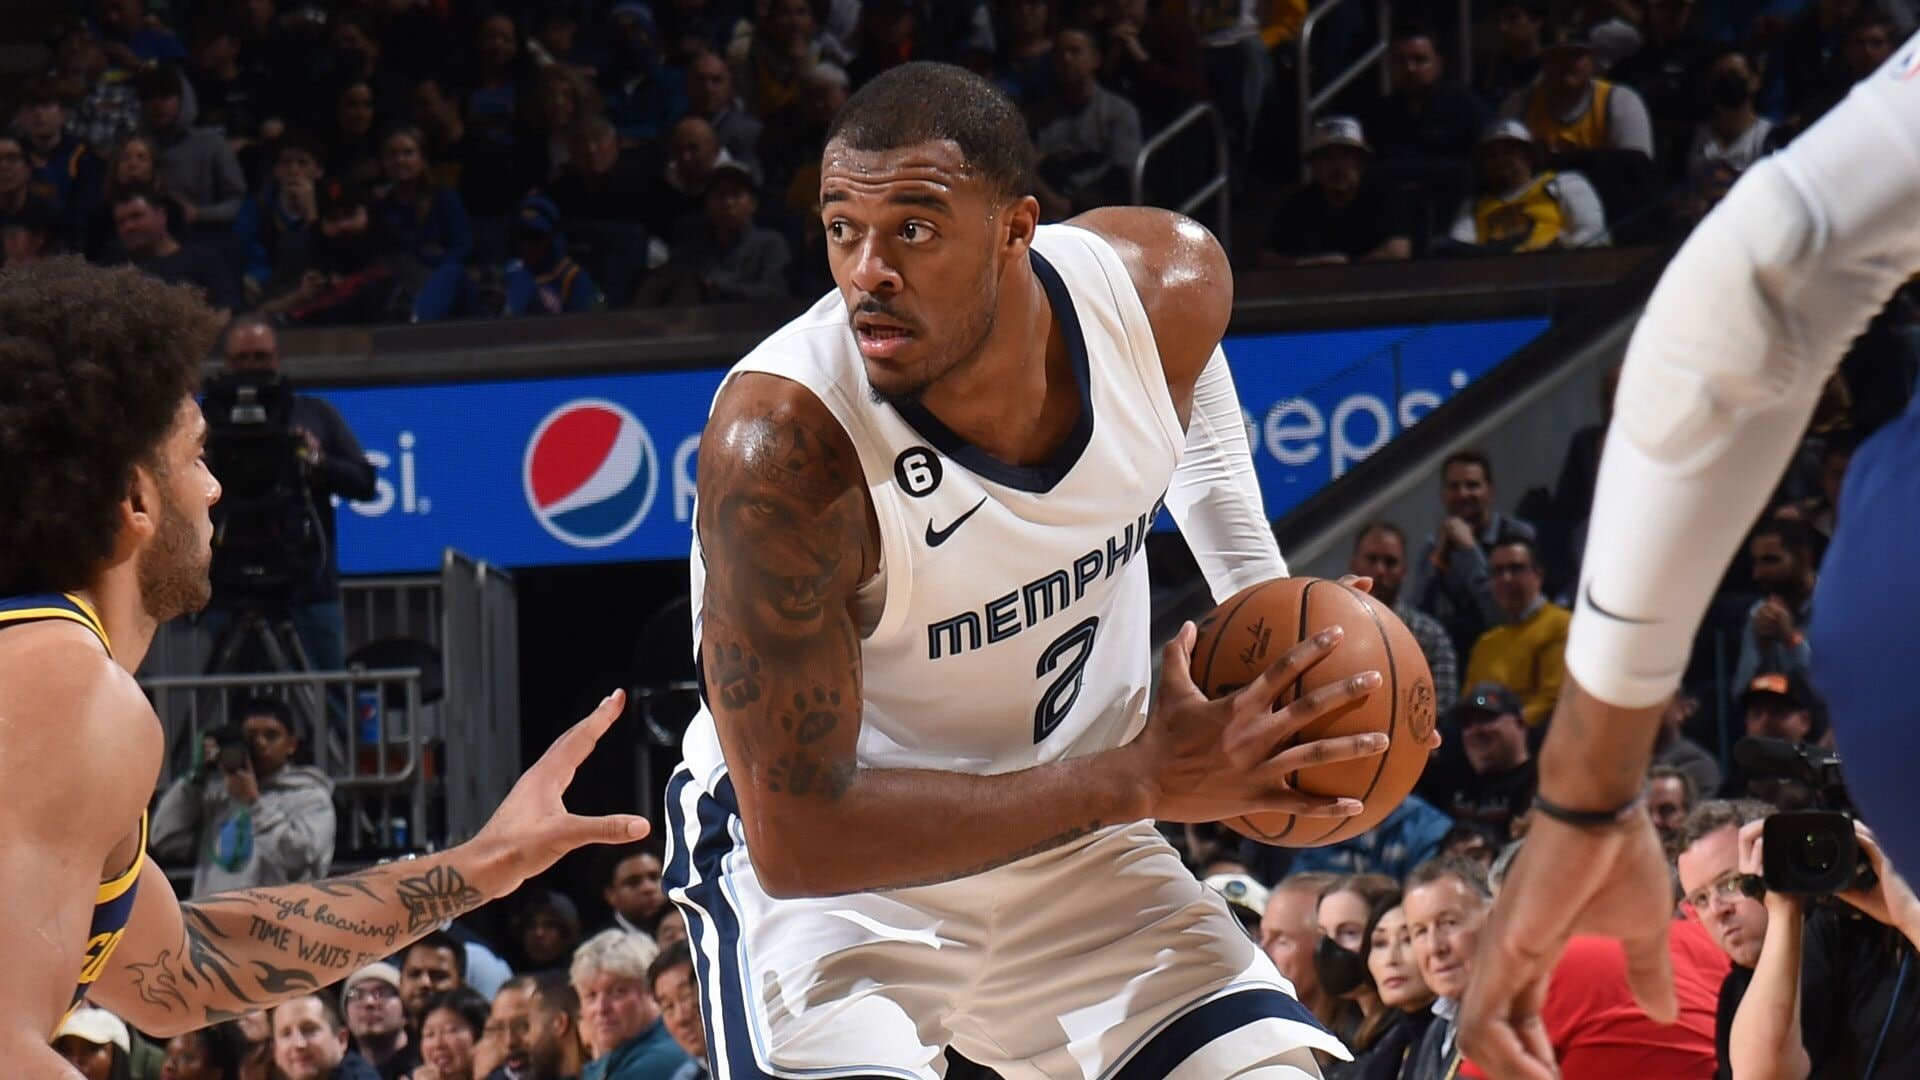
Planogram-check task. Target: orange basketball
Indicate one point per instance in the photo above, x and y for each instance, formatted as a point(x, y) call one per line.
point(1255, 627)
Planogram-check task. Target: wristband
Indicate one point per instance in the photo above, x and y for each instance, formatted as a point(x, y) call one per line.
point(1592, 819)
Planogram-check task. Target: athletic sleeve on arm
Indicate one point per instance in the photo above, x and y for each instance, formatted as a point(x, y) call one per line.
point(1214, 494)
point(1725, 368)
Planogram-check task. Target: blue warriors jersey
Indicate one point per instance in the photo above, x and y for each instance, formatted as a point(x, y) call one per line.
point(113, 900)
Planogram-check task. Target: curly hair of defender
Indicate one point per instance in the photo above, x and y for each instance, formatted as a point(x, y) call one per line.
point(93, 364)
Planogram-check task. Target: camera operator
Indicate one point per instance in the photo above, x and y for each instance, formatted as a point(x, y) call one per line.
point(1818, 989)
point(334, 465)
point(246, 815)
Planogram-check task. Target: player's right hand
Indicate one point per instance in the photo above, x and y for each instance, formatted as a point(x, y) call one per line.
point(1213, 760)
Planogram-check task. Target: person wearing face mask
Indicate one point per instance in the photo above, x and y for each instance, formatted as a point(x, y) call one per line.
point(1339, 957)
point(1386, 1039)
point(1732, 137)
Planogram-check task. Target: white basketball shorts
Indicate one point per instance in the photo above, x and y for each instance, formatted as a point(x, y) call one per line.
point(1100, 960)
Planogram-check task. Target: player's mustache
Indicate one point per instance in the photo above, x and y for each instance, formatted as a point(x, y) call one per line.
point(877, 307)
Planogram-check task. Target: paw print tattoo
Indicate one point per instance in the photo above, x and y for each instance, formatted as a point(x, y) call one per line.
point(813, 718)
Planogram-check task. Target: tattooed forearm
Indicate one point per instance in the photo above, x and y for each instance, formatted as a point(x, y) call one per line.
point(435, 896)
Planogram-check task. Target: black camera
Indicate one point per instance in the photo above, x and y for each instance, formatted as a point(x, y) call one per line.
point(267, 536)
point(232, 755)
point(1807, 852)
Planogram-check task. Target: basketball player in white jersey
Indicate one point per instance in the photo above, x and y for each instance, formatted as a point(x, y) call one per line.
point(914, 811)
point(1721, 377)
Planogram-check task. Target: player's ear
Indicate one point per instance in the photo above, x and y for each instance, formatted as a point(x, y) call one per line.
point(1020, 218)
point(140, 508)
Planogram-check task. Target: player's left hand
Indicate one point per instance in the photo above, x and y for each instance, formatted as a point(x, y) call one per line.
point(533, 828)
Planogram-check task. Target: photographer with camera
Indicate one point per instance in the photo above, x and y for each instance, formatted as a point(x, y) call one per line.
point(282, 462)
point(1821, 984)
point(246, 815)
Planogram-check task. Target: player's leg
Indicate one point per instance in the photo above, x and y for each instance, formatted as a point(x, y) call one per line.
point(1108, 960)
point(846, 987)
point(1863, 632)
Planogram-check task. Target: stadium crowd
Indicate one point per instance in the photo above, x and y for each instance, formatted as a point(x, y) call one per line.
point(411, 160)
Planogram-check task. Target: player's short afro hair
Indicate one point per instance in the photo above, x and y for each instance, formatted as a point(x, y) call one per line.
point(93, 366)
point(930, 102)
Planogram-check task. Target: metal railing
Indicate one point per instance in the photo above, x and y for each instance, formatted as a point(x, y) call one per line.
point(1311, 102)
point(361, 763)
point(1220, 187)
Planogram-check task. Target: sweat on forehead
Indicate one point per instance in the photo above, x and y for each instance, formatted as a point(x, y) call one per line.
point(924, 103)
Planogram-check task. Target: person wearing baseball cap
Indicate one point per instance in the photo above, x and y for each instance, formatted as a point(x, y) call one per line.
point(1245, 897)
point(545, 279)
point(1569, 109)
point(95, 1042)
point(1778, 705)
point(377, 1019)
point(724, 258)
point(1501, 775)
point(1339, 216)
point(1521, 208)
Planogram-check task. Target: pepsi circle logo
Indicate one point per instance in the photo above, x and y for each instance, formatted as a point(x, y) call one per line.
point(590, 473)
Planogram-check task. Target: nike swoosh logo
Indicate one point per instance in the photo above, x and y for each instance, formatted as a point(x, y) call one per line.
point(1595, 605)
point(936, 537)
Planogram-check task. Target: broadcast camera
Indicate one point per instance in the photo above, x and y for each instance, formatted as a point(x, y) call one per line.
point(267, 534)
point(1808, 852)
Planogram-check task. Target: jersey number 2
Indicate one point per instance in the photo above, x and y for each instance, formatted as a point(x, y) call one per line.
point(1060, 694)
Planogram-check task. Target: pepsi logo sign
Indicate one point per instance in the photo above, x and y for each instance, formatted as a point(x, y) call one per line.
point(590, 473)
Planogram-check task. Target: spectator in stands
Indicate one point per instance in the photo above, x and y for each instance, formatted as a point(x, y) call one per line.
point(632, 886)
point(1339, 216)
point(16, 179)
point(692, 27)
point(678, 190)
point(544, 279)
point(1805, 74)
point(203, 177)
point(1670, 71)
point(1288, 934)
point(1380, 552)
point(1568, 109)
point(561, 99)
point(793, 139)
point(1523, 209)
point(602, 182)
point(31, 236)
point(377, 1021)
point(1153, 59)
point(724, 258)
point(671, 980)
point(140, 220)
point(356, 59)
point(1339, 957)
point(545, 931)
point(133, 38)
point(250, 817)
point(1451, 581)
point(1518, 26)
point(1526, 651)
point(1706, 855)
point(888, 35)
point(642, 94)
point(498, 84)
point(283, 214)
point(1085, 136)
point(1671, 796)
point(1446, 905)
point(491, 174)
point(1409, 836)
point(109, 105)
point(354, 151)
point(668, 926)
point(351, 273)
point(433, 966)
point(1383, 1043)
point(619, 1018)
point(416, 213)
point(545, 1044)
point(1424, 115)
point(310, 1042)
point(1472, 841)
point(66, 173)
point(237, 101)
point(1777, 706)
point(451, 1024)
point(1866, 42)
point(132, 165)
point(710, 96)
point(211, 1053)
point(1673, 749)
point(1597, 1030)
point(1501, 775)
point(1774, 638)
point(1732, 137)
point(785, 46)
point(1025, 68)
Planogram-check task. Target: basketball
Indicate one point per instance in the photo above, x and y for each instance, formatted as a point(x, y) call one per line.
point(1256, 626)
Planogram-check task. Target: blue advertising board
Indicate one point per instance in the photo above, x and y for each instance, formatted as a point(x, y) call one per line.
point(601, 468)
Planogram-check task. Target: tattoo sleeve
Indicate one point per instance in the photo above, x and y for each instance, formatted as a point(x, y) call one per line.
point(253, 948)
point(783, 524)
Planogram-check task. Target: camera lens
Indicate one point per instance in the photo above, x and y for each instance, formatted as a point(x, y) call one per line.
point(1819, 851)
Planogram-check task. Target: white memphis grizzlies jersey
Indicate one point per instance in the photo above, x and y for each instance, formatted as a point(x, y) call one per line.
point(1008, 624)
